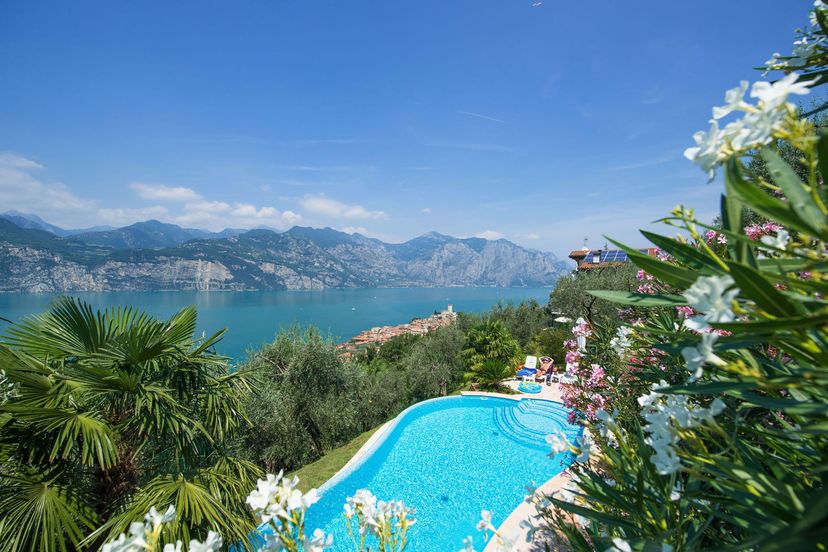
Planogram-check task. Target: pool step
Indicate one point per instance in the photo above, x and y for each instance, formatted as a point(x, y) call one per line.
point(529, 424)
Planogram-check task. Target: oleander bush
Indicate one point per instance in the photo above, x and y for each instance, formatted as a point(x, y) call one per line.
point(713, 433)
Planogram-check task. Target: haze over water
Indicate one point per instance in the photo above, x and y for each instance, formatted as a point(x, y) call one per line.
point(253, 318)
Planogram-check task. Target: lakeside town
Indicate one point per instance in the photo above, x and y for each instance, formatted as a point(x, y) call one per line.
point(381, 334)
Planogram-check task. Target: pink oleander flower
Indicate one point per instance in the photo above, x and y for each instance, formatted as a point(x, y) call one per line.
point(754, 232)
point(571, 344)
point(772, 227)
point(685, 312)
point(723, 333)
point(572, 357)
point(582, 329)
point(710, 235)
point(600, 401)
point(662, 255)
point(596, 375)
point(722, 239)
point(571, 417)
point(806, 275)
point(647, 288)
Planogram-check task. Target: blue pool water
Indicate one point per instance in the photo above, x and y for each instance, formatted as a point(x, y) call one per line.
point(451, 458)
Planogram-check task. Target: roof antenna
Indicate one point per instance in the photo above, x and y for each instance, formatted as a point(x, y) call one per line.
point(606, 246)
point(585, 248)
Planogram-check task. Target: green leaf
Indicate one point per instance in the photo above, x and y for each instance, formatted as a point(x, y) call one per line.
point(767, 326)
point(664, 271)
point(791, 407)
point(639, 299)
point(709, 388)
point(732, 217)
point(755, 287)
point(764, 204)
point(684, 253)
point(592, 514)
point(39, 514)
point(800, 200)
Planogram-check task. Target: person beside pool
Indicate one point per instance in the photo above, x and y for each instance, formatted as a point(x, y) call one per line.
point(548, 367)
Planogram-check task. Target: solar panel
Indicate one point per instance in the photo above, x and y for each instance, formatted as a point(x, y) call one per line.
point(614, 256)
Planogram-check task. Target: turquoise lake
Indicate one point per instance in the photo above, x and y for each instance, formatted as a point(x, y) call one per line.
point(254, 317)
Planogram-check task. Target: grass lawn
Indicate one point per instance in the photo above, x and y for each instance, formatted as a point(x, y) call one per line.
point(316, 473)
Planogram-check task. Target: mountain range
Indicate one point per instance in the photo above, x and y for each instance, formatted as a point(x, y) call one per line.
point(36, 256)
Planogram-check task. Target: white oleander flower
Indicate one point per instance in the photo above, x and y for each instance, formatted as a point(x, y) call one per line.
point(299, 501)
point(140, 537)
point(530, 529)
point(711, 296)
point(773, 95)
point(675, 494)
point(157, 519)
point(558, 442)
point(586, 447)
point(567, 493)
point(606, 424)
point(276, 496)
point(211, 544)
point(661, 411)
point(272, 543)
point(802, 50)
point(265, 490)
point(619, 545)
point(707, 153)
point(779, 241)
point(696, 357)
point(734, 99)
point(507, 544)
point(621, 342)
point(485, 522)
point(760, 122)
point(318, 541)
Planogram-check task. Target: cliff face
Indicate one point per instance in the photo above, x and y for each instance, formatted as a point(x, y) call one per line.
point(301, 258)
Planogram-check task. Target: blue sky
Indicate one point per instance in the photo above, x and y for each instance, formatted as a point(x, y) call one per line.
point(542, 124)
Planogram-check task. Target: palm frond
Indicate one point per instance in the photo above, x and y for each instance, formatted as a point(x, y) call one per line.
point(71, 432)
point(39, 515)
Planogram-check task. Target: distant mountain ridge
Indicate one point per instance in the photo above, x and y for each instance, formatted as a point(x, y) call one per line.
point(153, 255)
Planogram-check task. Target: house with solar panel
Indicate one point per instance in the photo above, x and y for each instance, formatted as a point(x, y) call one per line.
point(591, 259)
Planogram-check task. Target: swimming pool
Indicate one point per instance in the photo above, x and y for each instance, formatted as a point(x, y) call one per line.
point(450, 458)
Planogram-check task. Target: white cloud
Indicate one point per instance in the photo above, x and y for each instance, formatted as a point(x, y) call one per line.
point(216, 215)
point(201, 212)
point(490, 235)
point(425, 210)
point(13, 160)
point(481, 116)
point(53, 201)
point(24, 191)
point(164, 193)
point(323, 205)
point(355, 230)
point(122, 216)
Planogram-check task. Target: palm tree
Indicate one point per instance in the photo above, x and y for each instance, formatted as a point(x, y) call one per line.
point(490, 340)
point(110, 413)
point(490, 374)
